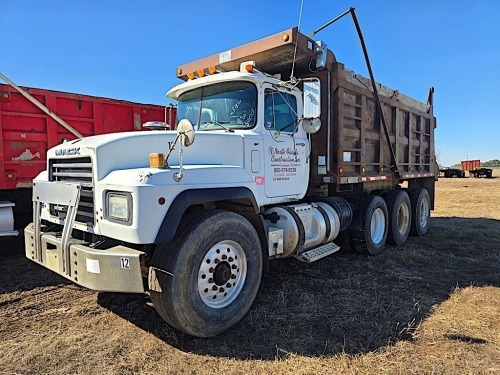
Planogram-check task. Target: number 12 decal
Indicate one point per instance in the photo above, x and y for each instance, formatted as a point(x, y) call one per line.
point(125, 263)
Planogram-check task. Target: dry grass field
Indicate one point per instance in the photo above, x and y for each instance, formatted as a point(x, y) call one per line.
point(431, 306)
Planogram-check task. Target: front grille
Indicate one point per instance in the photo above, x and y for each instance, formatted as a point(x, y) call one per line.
point(75, 170)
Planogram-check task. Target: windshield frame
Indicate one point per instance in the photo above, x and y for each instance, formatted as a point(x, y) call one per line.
point(226, 105)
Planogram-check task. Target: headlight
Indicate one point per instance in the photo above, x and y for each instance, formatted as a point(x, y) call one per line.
point(119, 207)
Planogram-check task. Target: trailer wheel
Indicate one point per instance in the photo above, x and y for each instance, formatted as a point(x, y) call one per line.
point(370, 239)
point(420, 211)
point(206, 280)
point(399, 209)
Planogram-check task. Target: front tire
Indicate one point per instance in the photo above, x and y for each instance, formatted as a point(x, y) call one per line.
point(371, 237)
point(208, 278)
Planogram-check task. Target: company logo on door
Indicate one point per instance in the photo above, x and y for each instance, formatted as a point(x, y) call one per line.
point(284, 162)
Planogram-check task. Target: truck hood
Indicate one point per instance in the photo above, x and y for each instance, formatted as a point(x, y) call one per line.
point(131, 150)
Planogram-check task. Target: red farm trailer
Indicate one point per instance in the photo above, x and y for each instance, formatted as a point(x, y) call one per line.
point(28, 130)
point(474, 168)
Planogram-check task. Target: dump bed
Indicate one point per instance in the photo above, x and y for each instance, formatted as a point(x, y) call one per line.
point(351, 145)
point(470, 165)
point(27, 133)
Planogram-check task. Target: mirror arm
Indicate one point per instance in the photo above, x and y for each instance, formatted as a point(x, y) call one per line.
point(178, 176)
point(172, 147)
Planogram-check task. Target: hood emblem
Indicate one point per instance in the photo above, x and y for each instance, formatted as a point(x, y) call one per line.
point(68, 151)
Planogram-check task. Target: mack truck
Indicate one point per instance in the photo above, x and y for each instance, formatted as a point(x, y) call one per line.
point(279, 152)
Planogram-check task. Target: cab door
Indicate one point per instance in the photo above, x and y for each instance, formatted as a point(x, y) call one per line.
point(285, 145)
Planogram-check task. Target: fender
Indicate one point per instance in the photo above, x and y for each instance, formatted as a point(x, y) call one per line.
point(188, 198)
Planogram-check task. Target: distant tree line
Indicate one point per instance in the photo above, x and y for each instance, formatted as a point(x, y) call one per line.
point(486, 164)
point(491, 163)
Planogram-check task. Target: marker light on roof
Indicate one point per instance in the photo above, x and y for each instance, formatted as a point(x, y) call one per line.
point(247, 66)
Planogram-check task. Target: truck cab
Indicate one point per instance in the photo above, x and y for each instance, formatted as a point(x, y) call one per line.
point(265, 114)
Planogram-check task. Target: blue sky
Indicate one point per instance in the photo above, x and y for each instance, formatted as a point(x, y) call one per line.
point(130, 50)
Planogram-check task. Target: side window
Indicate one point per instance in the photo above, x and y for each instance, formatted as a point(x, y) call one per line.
point(280, 111)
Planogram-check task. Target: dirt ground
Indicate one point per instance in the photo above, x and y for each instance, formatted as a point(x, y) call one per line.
point(430, 306)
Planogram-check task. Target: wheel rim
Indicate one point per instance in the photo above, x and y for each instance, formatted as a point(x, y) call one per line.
point(222, 274)
point(424, 213)
point(377, 227)
point(403, 217)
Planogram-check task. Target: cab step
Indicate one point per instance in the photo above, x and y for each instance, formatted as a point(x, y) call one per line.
point(318, 252)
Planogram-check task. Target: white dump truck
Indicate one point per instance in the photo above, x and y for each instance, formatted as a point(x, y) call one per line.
point(280, 151)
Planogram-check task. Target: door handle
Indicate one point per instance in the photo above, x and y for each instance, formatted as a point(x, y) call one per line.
point(300, 144)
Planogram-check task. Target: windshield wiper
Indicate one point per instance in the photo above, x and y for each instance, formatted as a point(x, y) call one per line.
point(294, 122)
point(220, 123)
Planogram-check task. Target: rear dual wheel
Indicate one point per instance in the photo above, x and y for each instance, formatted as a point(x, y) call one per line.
point(206, 281)
point(420, 210)
point(400, 213)
point(370, 239)
point(391, 220)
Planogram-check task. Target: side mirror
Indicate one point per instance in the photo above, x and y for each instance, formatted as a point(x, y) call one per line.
point(312, 106)
point(185, 132)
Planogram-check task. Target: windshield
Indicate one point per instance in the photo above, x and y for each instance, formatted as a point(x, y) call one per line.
point(224, 105)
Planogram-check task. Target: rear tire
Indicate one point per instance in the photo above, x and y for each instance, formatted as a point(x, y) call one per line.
point(420, 211)
point(207, 279)
point(370, 239)
point(399, 209)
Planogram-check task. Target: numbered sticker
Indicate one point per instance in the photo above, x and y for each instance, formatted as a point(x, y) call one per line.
point(125, 263)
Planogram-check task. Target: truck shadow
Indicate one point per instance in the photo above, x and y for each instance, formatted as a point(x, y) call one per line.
point(18, 274)
point(345, 303)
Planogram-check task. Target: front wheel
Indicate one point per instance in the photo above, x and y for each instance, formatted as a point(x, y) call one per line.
point(206, 280)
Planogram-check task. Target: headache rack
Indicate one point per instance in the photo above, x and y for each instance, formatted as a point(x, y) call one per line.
point(77, 170)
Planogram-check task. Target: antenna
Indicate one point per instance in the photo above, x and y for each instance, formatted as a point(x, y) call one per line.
point(292, 78)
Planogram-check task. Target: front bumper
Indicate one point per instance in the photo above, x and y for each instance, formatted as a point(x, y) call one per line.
point(117, 269)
